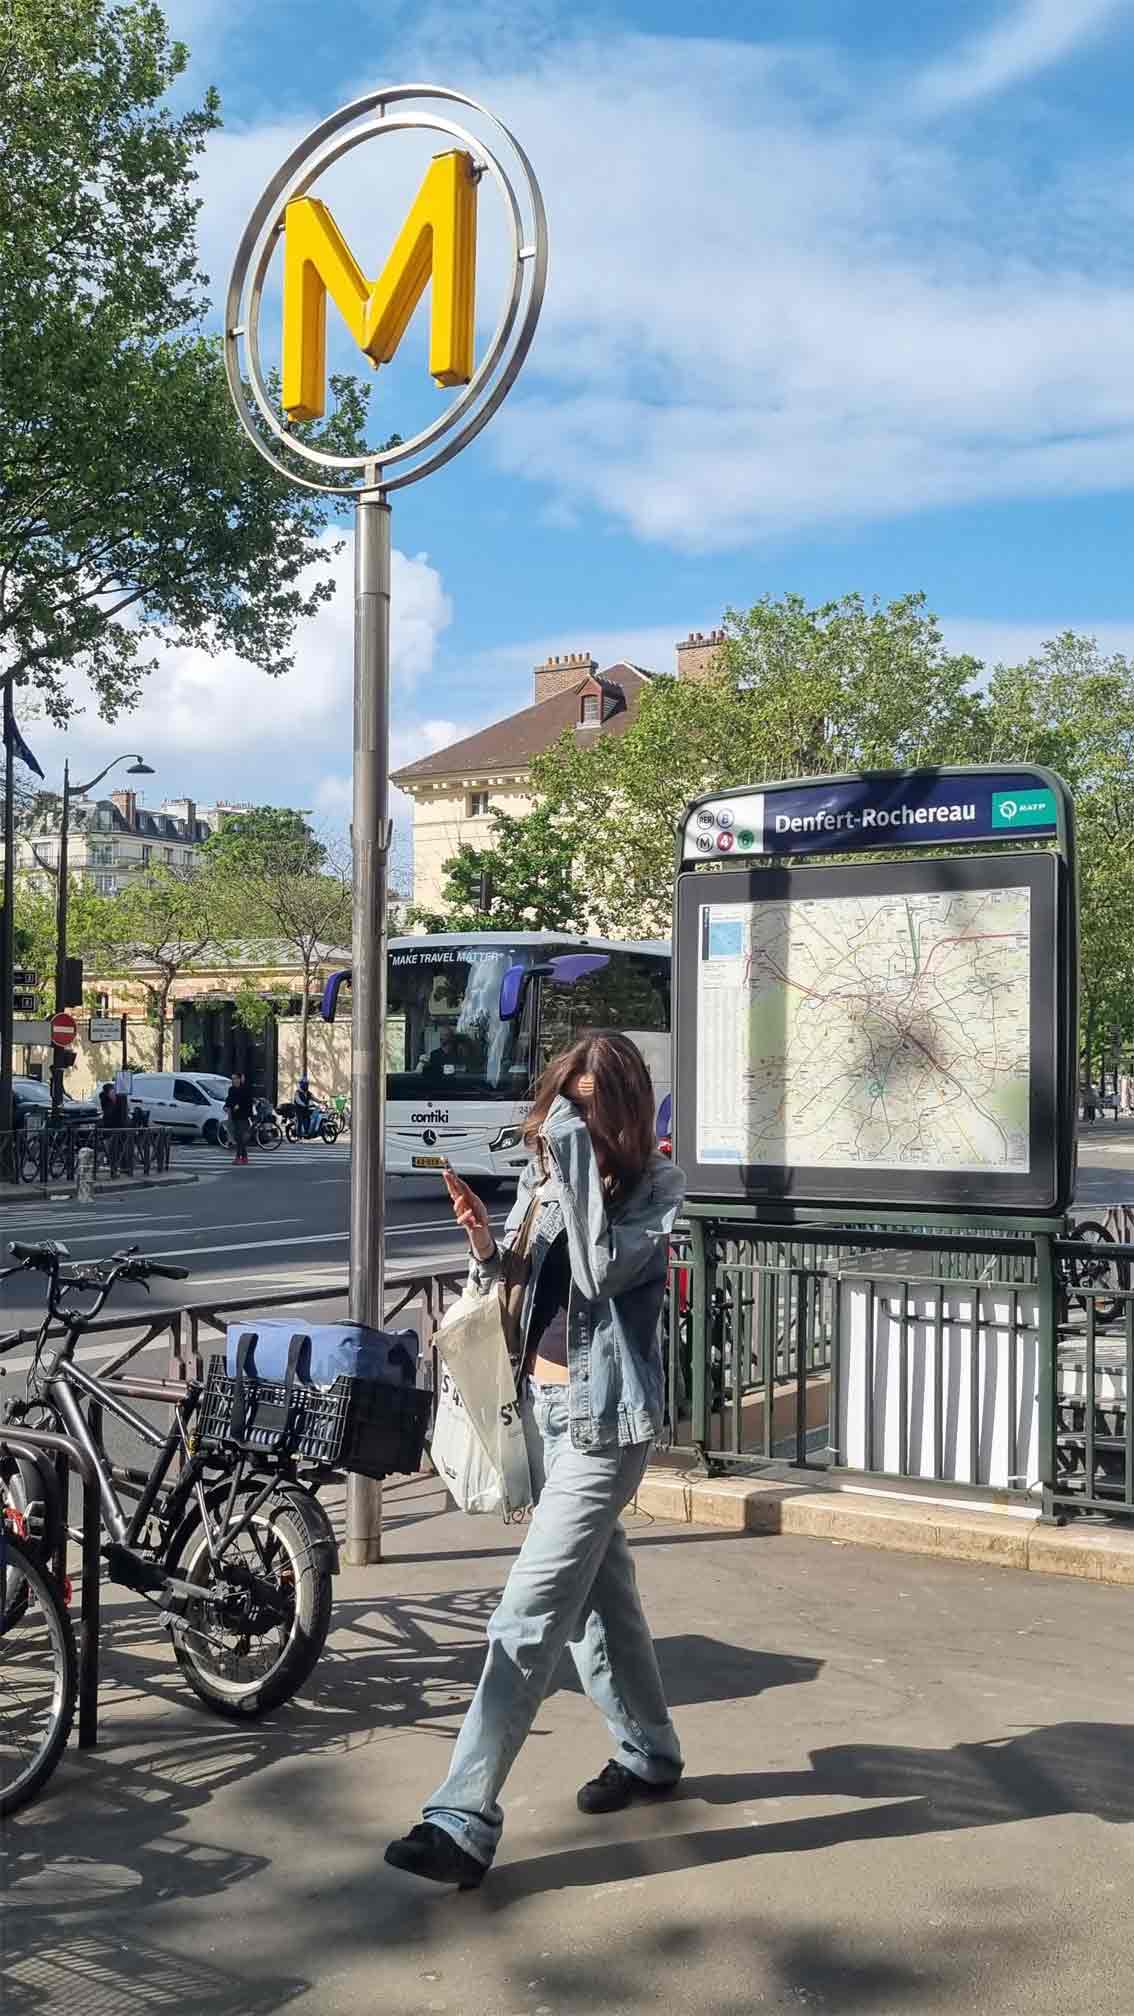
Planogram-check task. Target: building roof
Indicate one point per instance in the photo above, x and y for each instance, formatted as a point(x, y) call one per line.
point(512, 744)
point(143, 825)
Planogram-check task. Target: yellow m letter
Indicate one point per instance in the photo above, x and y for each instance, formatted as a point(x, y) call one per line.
point(438, 240)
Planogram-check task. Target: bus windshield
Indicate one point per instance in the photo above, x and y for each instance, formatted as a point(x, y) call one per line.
point(444, 1035)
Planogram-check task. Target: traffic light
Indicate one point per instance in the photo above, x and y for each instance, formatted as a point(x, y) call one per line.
point(25, 991)
point(73, 984)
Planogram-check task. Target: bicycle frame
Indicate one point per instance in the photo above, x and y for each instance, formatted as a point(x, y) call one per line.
point(65, 1382)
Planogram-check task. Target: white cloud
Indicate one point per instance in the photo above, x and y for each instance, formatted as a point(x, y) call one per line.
point(776, 299)
point(216, 726)
point(1034, 35)
point(1014, 643)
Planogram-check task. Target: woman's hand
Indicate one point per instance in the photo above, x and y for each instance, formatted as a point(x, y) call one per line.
point(471, 1214)
point(581, 1091)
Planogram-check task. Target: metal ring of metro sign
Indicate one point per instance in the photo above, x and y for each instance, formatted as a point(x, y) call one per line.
point(435, 247)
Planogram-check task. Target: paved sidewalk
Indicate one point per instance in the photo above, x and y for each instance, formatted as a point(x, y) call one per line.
point(910, 1790)
point(107, 1186)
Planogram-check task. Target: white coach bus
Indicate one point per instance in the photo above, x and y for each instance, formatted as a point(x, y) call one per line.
point(473, 1018)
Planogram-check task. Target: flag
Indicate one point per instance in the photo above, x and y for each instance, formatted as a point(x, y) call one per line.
point(20, 749)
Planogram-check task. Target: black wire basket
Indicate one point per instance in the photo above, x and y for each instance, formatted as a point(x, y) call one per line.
point(363, 1425)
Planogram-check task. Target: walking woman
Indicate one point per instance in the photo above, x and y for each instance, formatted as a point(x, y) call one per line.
point(602, 1205)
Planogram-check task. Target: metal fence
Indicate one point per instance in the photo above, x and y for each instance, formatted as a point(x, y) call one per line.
point(960, 1360)
point(51, 1154)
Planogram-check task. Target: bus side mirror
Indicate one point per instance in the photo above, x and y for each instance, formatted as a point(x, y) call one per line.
point(513, 987)
point(567, 968)
point(330, 1001)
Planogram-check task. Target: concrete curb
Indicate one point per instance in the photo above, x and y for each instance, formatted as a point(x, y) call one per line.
point(994, 1539)
point(26, 1193)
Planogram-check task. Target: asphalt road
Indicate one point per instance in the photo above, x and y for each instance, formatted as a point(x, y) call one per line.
point(277, 1227)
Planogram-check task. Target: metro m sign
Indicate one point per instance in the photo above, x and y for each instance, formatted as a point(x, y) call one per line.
point(437, 241)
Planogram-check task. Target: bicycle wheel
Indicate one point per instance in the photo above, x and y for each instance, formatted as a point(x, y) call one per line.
point(39, 1677)
point(1093, 1272)
point(57, 1160)
point(31, 1162)
point(269, 1134)
point(253, 1654)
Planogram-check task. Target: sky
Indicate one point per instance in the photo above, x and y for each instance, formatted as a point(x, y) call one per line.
point(841, 297)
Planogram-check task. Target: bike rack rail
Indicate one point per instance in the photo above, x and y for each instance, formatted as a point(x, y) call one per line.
point(43, 1442)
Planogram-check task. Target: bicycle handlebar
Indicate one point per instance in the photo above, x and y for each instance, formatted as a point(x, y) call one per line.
point(49, 1258)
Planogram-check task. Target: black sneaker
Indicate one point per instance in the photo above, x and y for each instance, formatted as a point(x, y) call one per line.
point(428, 1851)
point(615, 1787)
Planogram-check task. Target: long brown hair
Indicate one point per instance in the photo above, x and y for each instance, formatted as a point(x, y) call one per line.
point(619, 1114)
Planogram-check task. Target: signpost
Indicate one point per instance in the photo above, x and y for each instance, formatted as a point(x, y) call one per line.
point(877, 1033)
point(437, 244)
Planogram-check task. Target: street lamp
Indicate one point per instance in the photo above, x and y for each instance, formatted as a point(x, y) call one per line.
point(138, 768)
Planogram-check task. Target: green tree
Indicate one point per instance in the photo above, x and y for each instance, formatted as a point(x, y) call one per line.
point(1072, 708)
point(274, 877)
point(527, 874)
point(132, 506)
point(267, 839)
point(164, 920)
point(799, 692)
point(91, 927)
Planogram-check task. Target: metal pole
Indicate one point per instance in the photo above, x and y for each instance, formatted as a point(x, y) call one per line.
point(8, 928)
point(371, 832)
point(61, 944)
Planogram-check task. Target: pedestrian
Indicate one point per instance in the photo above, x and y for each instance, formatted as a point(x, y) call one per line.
point(595, 1207)
point(238, 1105)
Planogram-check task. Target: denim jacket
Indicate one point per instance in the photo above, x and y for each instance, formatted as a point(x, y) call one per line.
point(618, 1270)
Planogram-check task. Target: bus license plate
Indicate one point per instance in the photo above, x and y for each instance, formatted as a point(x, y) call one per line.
point(429, 1161)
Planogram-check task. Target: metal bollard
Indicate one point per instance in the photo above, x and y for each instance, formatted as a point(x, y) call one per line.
point(86, 1175)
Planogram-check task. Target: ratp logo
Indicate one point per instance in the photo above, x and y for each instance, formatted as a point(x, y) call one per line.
point(1015, 808)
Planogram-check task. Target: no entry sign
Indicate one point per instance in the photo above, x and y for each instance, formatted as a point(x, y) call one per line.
point(64, 1030)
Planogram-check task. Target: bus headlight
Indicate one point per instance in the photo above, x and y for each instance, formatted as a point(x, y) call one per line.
point(508, 1137)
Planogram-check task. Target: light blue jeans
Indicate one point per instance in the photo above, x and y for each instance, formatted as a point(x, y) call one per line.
point(572, 1583)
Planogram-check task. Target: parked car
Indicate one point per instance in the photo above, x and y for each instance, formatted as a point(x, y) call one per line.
point(189, 1103)
point(31, 1106)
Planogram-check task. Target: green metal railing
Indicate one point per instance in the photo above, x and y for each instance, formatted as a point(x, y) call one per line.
point(754, 1346)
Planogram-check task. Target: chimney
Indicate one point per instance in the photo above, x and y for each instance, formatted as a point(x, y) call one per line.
point(556, 675)
point(698, 657)
point(127, 804)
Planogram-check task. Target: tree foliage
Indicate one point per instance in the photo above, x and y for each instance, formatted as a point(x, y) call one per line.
point(163, 919)
point(132, 506)
point(811, 692)
point(527, 875)
point(275, 878)
point(799, 692)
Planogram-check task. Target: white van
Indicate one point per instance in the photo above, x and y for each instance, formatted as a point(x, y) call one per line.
point(189, 1103)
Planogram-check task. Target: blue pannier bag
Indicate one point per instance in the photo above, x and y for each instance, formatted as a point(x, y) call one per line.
point(326, 1351)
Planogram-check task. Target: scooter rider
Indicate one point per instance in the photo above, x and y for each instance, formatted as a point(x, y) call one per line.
point(305, 1109)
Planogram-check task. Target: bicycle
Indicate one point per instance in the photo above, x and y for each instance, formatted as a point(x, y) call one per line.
point(39, 1669)
point(235, 1551)
point(266, 1130)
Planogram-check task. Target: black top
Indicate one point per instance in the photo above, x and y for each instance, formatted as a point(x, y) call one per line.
point(547, 1325)
point(239, 1101)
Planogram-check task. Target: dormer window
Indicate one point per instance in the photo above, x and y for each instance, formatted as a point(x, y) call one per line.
point(589, 716)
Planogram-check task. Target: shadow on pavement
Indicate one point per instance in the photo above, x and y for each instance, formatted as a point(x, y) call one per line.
point(1072, 1767)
